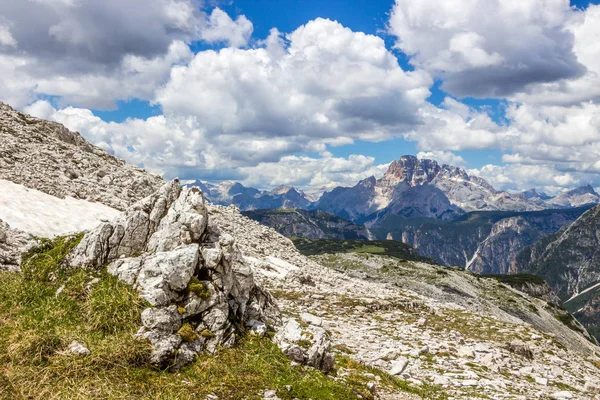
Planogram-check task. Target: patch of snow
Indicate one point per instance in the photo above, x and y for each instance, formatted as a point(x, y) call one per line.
point(42, 215)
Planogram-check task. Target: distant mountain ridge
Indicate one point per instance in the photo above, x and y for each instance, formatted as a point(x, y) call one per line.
point(580, 196)
point(248, 198)
point(411, 187)
point(401, 191)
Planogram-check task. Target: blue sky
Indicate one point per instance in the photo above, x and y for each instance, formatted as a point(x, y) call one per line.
point(505, 89)
point(369, 16)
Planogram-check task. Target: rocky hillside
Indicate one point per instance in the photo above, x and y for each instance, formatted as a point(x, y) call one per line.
point(445, 332)
point(48, 157)
point(312, 224)
point(570, 261)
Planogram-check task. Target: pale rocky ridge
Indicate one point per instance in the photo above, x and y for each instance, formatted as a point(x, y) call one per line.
point(48, 157)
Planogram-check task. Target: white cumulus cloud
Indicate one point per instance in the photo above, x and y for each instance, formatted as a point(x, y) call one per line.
point(222, 29)
point(484, 48)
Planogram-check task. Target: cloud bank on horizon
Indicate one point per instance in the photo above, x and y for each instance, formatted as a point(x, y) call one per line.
point(271, 110)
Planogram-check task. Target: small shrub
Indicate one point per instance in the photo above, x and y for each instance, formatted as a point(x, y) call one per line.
point(207, 334)
point(304, 343)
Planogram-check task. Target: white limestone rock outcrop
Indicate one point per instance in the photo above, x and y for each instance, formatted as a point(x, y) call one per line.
point(308, 345)
point(12, 244)
point(200, 289)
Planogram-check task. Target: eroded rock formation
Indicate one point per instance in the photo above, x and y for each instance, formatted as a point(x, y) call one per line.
point(200, 289)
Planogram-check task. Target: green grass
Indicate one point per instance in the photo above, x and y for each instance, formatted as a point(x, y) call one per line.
point(399, 250)
point(37, 324)
point(369, 249)
point(42, 263)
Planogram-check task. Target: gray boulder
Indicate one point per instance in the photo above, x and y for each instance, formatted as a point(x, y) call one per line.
point(310, 346)
point(12, 244)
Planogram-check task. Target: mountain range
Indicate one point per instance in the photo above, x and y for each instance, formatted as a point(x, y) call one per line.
point(410, 187)
point(245, 198)
point(455, 219)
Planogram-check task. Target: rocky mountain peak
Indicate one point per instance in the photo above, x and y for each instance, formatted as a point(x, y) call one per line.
point(534, 194)
point(283, 189)
point(587, 189)
point(412, 170)
point(576, 197)
point(455, 172)
point(369, 182)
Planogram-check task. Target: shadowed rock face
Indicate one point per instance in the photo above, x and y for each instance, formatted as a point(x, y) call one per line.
point(569, 259)
point(194, 277)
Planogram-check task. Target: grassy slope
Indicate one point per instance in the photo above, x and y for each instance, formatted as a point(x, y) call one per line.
point(37, 324)
point(381, 247)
